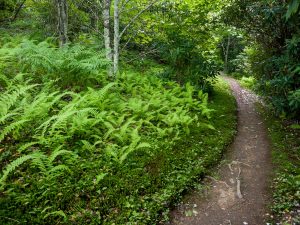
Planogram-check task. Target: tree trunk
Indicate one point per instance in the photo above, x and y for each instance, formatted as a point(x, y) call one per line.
point(62, 10)
point(116, 37)
point(18, 11)
point(227, 56)
point(115, 55)
point(106, 32)
point(94, 17)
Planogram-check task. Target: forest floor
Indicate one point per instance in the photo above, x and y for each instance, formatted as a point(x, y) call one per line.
point(240, 192)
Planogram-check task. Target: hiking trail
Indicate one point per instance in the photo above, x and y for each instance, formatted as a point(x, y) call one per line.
point(239, 195)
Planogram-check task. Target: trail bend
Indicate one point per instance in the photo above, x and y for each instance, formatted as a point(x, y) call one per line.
point(240, 195)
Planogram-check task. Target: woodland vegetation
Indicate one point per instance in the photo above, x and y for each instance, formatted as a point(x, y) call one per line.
point(109, 110)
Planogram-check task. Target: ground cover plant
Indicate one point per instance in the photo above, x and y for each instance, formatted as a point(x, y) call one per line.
point(97, 151)
point(286, 181)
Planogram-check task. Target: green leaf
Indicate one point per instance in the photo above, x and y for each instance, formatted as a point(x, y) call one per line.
point(56, 213)
point(295, 126)
point(292, 8)
point(100, 177)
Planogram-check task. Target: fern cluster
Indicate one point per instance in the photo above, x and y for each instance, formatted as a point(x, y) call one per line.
point(64, 149)
point(70, 66)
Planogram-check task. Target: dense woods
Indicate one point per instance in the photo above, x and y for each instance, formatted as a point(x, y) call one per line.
point(111, 109)
point(271, 51)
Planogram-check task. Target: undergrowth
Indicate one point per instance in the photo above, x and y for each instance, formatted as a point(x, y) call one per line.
point(285, 138)
point(76, 148)
point(248, 82)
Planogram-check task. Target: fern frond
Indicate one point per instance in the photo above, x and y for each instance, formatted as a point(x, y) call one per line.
point(88, 146)
point(40, 160)
point(11, 127)
point(56, 213)
point(25, 146)
point(57, 169)
point(12, 167)
point(57, 152)
point(104, 90)
point(100, 177)
point(8, 115)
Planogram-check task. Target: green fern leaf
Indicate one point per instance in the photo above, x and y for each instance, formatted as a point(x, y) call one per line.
point(12, 167)
point(10, 128)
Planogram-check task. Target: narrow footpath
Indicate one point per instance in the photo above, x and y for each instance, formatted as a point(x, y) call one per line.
point(239, 194)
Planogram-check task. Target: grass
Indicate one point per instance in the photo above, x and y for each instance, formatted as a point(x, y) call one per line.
point(285, 139)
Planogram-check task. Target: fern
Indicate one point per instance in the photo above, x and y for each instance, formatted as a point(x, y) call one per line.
point(12, 167)
point(4, 81)
point(100, 177)
point(57, 152)
point(26, 146)
point(63, 134)
point(135, 145)
point(88, 146)
point(10, 97)
point(13, 126)
point(56, 213)
point(55, 171)
point(7, 116)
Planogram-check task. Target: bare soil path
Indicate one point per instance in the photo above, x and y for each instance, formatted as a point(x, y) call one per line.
point(240, 195)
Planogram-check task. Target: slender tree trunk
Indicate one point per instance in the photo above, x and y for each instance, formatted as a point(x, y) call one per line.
point(106, 32)
point(115, 55)
point(227, 55)
point(116, 37)
point(62, 10)
point(18, 11)
point(94, 17)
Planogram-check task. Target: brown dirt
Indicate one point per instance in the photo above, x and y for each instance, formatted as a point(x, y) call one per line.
point(247, 164)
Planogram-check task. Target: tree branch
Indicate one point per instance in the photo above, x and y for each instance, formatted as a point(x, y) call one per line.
point(132, 36)
point(137, 16)
point(18, 11)
point(124, 5)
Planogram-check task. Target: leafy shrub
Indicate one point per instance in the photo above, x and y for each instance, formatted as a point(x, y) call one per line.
point(294, 101)
point(187, 63)
point(248, 82)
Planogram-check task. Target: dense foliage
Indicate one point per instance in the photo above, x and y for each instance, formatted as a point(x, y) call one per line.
point(177, 33)
point(86, 139)
point(178, 40)
point(273, 52)
point(109, 152)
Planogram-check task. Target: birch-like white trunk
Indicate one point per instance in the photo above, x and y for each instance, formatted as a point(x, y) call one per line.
point(116, 36)
point(106, 32)
point(114, 55)
point(62, 13)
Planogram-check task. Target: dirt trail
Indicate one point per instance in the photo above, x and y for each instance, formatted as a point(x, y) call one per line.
point(240, 195)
